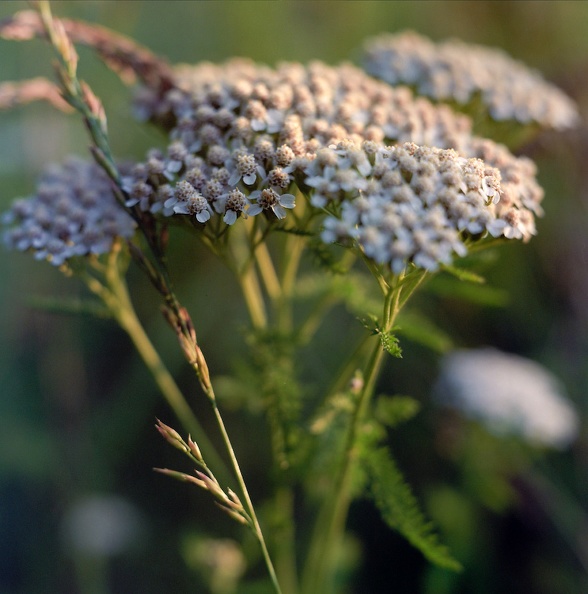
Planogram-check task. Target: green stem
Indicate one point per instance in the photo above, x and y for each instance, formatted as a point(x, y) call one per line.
point(250, 508)
point(253, 297)
point(285, 541)
point(330, 524)
point(268, 272)
point(279, 290)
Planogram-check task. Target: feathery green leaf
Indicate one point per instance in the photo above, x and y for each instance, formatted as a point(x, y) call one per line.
point(400, 509)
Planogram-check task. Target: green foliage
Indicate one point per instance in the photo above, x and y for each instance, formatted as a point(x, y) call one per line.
point(279, 390)
point(422, 330)
point(400, 509)
point(446, 286)
point(88, 307)
point(390, 343)
point(394, 410)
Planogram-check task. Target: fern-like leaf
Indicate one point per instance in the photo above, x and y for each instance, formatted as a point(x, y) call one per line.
point(400, 509)
point(390, 343)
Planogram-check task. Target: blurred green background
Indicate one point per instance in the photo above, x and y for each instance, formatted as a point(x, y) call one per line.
point(77, 408)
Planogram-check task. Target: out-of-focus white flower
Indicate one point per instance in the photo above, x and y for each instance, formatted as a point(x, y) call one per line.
point(220, 559)
point(102, 526)
point(463, 72)
point(73, 213)
point(509, 394)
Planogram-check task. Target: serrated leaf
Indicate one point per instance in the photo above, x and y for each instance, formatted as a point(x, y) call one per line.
point(390, 344)
point(394, 410)
point(422, 330)
point(400, 510)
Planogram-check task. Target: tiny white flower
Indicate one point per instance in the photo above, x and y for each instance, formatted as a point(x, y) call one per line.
point(269, 199)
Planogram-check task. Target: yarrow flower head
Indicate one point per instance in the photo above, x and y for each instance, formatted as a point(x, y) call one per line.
point(73, 213)
point(416, 205)
point(509, 394)
point(259, 130)
point(458, 72)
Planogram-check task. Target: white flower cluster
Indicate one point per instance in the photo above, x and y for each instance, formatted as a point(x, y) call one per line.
point(241, 133)
point(301, 106)
point(223, 182)
point(242, 136)
point(248, 131)
point(455, 71)
point(406, 203)
point(509, 394)
point(73, 213)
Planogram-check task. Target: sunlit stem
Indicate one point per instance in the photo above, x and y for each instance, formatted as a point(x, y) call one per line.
point(244, 490)
point(253, 297)
point(267, 272)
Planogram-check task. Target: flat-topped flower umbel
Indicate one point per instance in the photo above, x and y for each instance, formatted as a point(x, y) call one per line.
point(262, 130)
point(73, 213)
point(462, 72)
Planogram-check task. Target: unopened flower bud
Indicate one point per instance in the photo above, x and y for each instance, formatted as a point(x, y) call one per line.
point(195, 450)
point(172, 436)
point(235, 515)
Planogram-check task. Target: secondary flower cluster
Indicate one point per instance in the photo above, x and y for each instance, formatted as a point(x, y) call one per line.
point(455, 71)
point(73, 213)
point(415, 204)
point(509, 394)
